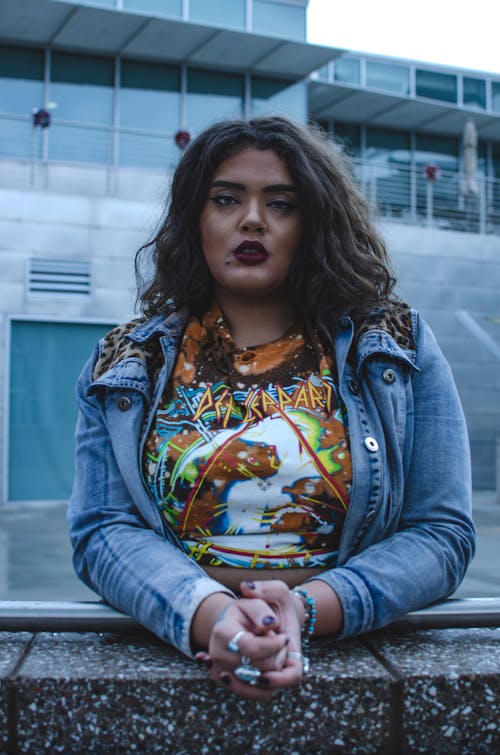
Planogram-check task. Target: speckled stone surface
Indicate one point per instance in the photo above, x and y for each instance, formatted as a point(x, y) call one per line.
point(450, 689)
point(434, 691)
point(12, 647)
point(111, 694)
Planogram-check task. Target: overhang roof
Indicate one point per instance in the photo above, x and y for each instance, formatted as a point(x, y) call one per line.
point(372, 108)
point(71, 26)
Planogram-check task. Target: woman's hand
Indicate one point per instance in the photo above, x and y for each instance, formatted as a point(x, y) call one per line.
point(269, 628)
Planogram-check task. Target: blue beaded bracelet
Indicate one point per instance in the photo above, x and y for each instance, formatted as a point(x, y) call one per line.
point(309, 612)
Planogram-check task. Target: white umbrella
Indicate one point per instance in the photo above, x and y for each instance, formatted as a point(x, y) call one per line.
point(470, 185)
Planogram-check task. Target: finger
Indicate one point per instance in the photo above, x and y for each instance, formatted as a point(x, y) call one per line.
point(266, 648)
point(264, 589)
point(261, 617)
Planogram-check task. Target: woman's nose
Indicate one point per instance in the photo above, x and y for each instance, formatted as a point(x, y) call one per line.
point(252, 220)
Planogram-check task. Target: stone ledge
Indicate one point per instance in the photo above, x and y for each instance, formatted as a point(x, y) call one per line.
point(393, 691)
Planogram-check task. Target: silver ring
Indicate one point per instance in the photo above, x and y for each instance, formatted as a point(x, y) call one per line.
point(302, 658)
point(232, 645)
point(247, 673)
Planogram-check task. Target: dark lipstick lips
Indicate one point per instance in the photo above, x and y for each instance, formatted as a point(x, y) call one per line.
point(251, 252)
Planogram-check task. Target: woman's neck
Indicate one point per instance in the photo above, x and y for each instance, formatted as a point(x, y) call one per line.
point(255, 322)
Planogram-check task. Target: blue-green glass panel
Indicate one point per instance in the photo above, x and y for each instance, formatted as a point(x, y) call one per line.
point(227, 13)
point(82, 88)
point(21, 63)
point(158, 7)
point(276, 97)
point(387, 77)
point(18, 138)
point(436, 86)
point(82, 69)
point(347, 70)
point(389, 154)
point(21, 80)
point(495, 96)
point(148, 151)
point(438, 150)
point(279, 20)
point(212, 97)
point(86, 144)
point(104, 3)
point(474, 93)
point(150, 97)
point(324, 72)
point(46, 359)
point(349, 135)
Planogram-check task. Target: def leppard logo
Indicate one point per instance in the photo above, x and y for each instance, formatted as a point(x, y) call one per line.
point(313, 394)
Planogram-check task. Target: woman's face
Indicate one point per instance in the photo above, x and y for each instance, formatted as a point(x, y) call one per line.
point(251, 225)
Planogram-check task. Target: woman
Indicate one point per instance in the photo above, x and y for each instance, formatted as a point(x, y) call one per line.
point(277, 446)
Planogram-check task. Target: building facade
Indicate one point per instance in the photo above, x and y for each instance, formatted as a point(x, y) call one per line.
point(95, 99)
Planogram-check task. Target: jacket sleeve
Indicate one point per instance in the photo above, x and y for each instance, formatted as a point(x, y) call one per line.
point(426, 558)
point(130, 563)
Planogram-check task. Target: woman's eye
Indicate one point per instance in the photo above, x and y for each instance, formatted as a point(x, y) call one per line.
point(282, 204)
point(224, 200)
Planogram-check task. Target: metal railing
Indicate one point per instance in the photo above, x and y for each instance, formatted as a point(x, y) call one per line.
point(91, 616)
point(96, 159)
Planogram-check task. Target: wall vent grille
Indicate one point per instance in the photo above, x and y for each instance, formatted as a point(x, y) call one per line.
point(59, 278)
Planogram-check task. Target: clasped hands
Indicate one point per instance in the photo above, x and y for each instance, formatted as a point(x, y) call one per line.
point(266, 624)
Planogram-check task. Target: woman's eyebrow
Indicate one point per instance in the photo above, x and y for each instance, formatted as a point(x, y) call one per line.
point(241, 187)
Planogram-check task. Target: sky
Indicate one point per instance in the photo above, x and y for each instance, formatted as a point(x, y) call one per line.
point(459, 33)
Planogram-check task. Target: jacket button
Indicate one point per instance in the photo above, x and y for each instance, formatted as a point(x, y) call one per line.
point(354, 387)
point(371, 444)
point(124, 403)
point(388, 376)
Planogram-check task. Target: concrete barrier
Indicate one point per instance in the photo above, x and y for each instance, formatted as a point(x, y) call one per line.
point(401, 690)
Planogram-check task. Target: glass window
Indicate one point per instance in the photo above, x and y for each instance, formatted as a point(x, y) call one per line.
point(21, 90)
point(279, 20)
point(349, 136)
point(106, 3)
point(388, 178)
point(21, 80)
point(227, 13)
point(437, 150)
point(474, 93)
point(388, 77)
point(82, 89)
point(46, 359)
point(150, 100)
point(324, 72)
point(496, 160)
point(212, 97)
point(276, 97)
point(495, 96)
point(348, 70)
point(158, 7)
point(436, 86)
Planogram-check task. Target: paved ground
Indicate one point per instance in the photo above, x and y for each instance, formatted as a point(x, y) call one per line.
point(35, 554)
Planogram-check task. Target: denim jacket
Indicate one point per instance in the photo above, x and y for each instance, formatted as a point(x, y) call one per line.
point(408, 535)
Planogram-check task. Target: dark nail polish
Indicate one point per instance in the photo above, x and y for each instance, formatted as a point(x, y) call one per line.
point(287, 641)
point(268, 620)
point(208, 663)
point(225, 679)
point(264, 681)
point(250, 584)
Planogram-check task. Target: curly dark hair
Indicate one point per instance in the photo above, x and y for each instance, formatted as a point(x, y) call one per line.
point(341, 265)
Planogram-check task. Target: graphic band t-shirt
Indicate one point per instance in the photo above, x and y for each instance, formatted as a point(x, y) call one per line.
point(248, 454)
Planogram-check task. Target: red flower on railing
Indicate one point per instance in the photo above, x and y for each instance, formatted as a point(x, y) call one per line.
point(432, 172)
